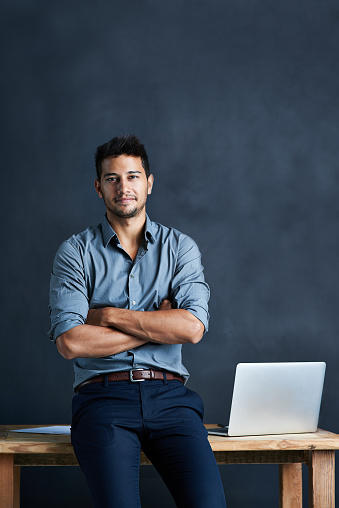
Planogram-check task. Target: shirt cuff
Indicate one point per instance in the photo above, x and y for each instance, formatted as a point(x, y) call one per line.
point(202, 315)
point(61, 328)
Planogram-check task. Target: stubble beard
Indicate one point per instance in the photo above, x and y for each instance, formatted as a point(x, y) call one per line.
point(124, 214)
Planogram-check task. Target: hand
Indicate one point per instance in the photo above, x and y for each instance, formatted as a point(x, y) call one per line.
point(165, 305)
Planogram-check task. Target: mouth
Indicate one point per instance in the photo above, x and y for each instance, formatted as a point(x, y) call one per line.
point(124, 201)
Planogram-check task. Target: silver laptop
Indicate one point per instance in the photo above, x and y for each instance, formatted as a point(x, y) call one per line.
point(275, 398)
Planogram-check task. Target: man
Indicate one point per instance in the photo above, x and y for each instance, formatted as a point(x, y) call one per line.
point(124, 297)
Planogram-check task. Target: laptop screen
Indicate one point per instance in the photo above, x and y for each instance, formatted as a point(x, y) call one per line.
point(276, 398)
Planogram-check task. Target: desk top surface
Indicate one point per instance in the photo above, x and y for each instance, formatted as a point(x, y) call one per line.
point(12, 442)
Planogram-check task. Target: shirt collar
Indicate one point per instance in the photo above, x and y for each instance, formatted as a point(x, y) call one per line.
point(150, 230)
point(108, 232)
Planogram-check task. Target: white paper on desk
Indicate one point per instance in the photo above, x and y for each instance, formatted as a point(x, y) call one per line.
point(55, 429)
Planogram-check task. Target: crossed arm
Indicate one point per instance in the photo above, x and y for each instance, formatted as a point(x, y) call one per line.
point(112, 330)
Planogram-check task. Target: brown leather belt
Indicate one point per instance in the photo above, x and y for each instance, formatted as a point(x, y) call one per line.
point(133, 375)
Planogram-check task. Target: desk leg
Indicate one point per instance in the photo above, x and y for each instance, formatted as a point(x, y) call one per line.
point(9, 482)
point(16, 503)
point(321, 479)
point(290, 477)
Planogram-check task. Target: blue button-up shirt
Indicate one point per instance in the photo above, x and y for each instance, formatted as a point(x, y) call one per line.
point(91, 270)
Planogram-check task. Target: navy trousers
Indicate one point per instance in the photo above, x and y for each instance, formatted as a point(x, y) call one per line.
point(111, 422)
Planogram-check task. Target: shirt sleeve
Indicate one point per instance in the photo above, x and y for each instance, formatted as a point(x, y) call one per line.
point(189, 290)
point(68, 295)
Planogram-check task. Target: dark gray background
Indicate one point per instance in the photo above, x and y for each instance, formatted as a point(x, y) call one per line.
point(237, 105)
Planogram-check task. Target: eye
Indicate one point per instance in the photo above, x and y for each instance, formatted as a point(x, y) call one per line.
point(131, 177)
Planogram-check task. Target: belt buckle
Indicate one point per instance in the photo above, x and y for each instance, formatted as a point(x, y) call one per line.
point(131, 376)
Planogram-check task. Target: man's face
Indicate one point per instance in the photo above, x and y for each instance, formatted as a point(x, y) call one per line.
point(123, 186)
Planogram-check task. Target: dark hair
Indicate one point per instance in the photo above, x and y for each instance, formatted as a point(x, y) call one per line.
point(121, 145)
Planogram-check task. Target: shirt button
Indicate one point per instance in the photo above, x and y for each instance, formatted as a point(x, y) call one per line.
point(133, 302)
point(132, 276)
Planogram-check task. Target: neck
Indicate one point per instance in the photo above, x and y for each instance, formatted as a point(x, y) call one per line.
point(129, 230)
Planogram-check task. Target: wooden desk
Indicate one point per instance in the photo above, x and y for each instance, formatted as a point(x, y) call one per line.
point(290, 451)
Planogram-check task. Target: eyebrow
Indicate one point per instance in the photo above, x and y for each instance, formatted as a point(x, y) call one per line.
point(116, 174)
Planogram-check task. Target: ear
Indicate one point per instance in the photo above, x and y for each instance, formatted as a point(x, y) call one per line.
point(98, 187)
point(150, 182)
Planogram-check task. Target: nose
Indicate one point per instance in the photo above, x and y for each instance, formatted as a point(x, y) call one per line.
point(123, 186)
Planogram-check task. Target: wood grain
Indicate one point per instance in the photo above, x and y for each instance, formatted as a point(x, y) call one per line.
point(321, 479)
point(7, 481)
point(290, 478)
